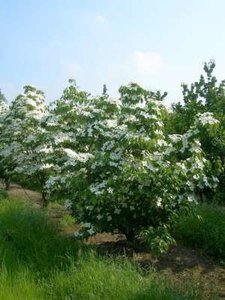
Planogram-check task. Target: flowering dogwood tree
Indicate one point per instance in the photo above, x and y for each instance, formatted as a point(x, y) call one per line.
point(121, 171)
point(24, 138)
point(66, 122)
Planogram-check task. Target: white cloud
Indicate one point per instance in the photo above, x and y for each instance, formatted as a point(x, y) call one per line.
point(147, 63)
point(100, 19)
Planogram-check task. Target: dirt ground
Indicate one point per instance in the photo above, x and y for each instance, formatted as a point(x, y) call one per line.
point(183, 265)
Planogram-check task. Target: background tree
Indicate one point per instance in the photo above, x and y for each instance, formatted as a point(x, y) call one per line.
point(204, 95)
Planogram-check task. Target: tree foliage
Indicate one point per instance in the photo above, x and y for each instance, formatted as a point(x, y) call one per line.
point(119, 170)
point(122, 165)
point(204, 95)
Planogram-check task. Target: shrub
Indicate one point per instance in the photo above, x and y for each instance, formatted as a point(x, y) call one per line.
point(118, 169)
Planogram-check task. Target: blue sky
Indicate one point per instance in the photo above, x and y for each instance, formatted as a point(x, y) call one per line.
point(159, 44)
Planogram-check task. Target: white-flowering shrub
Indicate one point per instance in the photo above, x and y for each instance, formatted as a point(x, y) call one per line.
point(25, 146)
point(120, 172)
point(66, 121)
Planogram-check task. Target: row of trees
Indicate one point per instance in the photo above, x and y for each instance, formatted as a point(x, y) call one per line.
point(124, 164)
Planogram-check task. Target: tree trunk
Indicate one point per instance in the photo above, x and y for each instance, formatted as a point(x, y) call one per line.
point(44, 199)
point(7, 184)
point(130, 235)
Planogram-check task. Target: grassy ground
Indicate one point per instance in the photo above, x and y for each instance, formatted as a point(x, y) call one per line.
point(38, 262)
point(181, 267)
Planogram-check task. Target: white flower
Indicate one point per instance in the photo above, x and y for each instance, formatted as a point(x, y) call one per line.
point(77, 234)
point(111, 123)
point(45, 150)
point(91, 207)
point(110, 190)
point(68, 204)
point(109, 218)
point(159, 202)
point(90, 231)
point(115, 156)
point(175, 137)
point(207, 118)
point(113, 164)
point(46, 166)
point(97, 188)
point(99, 217)
point(161, 143)
point(117, 211)
point(191, 198)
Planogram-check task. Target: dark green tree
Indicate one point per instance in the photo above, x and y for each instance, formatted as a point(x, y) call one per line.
point(204, 95)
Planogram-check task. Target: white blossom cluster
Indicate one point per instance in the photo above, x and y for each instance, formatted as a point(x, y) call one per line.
point(24, 144)
point(206, 118)
point(110, 158)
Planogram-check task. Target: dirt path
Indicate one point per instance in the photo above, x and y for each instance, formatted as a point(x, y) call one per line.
point(183, 265)
point(17, 191)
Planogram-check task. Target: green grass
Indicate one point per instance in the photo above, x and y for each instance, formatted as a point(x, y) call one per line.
point(91, 278)
point(97, 278)
point(20, 285)
point(36, 262)
point(27, 236)
point(205, 231)
point(3, 194)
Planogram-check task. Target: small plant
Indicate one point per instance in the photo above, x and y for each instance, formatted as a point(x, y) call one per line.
point(158, 240)
point(67, 220)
